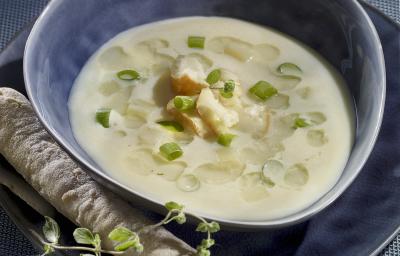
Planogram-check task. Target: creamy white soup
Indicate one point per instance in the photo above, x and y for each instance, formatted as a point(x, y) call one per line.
point(231, 119)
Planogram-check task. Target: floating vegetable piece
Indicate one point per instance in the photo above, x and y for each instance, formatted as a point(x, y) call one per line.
point(103, 117)
point(304, 92)
point(171, 126)
point(114, 58)
point(300, 123)
point(142, 160)
point(254, 187)
point(220, 172)
point(154, 43)
point(278, 101)
point(286, 82)
point(184, 103)
point(170, 170)
point(289, 69)
point(225, 139)
point(273, 170)
point(196, 42)
point(316, 138)
point(263, 90)
point(188, 183)
point(119, 100)
point(134, 121)
point(227, 91)
point(233, 47)
point(316, 117)
point(296, 175)
point(171, 151)
point(266, 52)
point(108, 88)
point(254, 119)
point(128, 75)
point(214, 76)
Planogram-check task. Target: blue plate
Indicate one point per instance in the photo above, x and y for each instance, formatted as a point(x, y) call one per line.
point(361, 222)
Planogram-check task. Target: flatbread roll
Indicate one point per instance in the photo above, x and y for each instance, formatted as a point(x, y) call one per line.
point(50, 171)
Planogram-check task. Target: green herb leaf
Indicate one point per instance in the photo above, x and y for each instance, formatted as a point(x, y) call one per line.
point(300, 123)
point(202, 227)
point(184, 103)
point(263, 90)
point(180, 218)
point(103, 117)
point(214, 76)
point(121, 234)
point(126, 245)
point(171, 126)
point(213, 227)
point(229, 86)
point(97, 241)
point(51, 230)
point(202, 251)
point(196, 42)
point(128, 75)
point(84, 236)
point(226, 95)
point(173, 206)
point(225, 139)
point(288, 67)
point(207, 243)
point(47, 249)
point(171, 151)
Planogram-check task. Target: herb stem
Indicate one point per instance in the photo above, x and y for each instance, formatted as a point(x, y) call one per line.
point(75, 248)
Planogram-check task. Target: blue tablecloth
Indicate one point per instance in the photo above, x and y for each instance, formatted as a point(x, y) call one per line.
point(14, 15)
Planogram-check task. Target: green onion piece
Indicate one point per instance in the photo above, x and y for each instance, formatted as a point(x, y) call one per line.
point(103, 117)
point(128, 75)
point(288, 67)
point(225, 139)
point(171, 126)
point(213, 77)
point(196, 42)
point(300, 123)
point(229, 86)
point(225, 94)
point(184, 103)
point(263, 90)
point(171, 151)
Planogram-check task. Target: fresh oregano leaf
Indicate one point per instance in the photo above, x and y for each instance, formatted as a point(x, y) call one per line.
point(180, 218)
point(202, 227)
point(213, 227)
point(207, 243)
point(97, 241)
point(126, 245)
point(47, 249)
point(203, 251)
point(51, 230)
point(121, 234)
point(173, 206)
point(84, 236)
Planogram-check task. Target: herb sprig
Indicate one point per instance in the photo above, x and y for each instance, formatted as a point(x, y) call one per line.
point(125, 238)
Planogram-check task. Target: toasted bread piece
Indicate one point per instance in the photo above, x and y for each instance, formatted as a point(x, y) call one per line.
point(188, 74)
point(216, 115)
point(190, 121)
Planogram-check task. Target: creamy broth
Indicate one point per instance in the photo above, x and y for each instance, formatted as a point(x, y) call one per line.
point(288, 150)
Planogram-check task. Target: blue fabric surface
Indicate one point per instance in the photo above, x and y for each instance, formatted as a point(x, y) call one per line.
point(332, 231)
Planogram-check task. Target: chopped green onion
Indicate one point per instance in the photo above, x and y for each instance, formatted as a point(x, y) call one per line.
point(196, 42)
point(103, 117)
point(171, 126)
point(263, 90)
point(171, 151)
point(229, 86)
point(128, 75)
point(300, 123)
point(225, 139)
point(213, 77)
point(287, 67)
point(227, 91)
point(184, 103)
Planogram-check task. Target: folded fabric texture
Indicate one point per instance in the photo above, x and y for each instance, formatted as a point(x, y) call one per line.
point(50, 171)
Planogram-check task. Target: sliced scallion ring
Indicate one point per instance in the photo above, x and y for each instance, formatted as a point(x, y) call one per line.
point(171, 126)
point(196, 42)
point(188, 183)
point(128, 75)
point(103, 117)
point(214, 76)
point(263, 90)
point(301, 123)
point(184, 103)
point(171, 151)
point(288, 68)
point(225, 139)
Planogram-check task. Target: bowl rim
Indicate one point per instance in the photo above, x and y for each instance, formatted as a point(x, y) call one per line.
point(294, 218)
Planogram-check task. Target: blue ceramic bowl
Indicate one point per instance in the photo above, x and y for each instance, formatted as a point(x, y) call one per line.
point(70, 31)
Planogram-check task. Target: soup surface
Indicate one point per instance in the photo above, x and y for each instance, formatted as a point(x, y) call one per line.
point(229, 118)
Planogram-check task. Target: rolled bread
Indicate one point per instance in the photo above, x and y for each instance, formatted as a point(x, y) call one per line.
point(51, 172)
